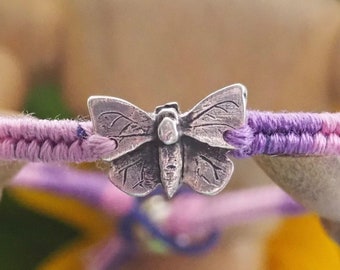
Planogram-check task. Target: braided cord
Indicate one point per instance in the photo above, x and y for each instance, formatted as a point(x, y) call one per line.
point(28, 138)
point(266, 133)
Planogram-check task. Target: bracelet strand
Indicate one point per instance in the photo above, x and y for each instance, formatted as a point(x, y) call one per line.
point(266, 133)
point(31, 139)
point(290, 134)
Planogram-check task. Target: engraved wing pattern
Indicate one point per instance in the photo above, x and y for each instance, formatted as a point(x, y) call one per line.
point(137, 173)
point(137, 163)
point(206, 169)
point(210, 118)
point(121, 121)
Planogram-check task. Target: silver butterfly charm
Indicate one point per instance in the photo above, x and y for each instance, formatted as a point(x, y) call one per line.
point(167, 147)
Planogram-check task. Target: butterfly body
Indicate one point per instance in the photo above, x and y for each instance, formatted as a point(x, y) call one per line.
point(168, 147)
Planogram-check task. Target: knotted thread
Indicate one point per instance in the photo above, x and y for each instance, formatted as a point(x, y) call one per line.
point(28, 138)
point(286, 134)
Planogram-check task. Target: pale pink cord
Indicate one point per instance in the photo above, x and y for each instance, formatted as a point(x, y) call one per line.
point(28, 138)
point(91, 187)
point(228, 209)
point(201, 213)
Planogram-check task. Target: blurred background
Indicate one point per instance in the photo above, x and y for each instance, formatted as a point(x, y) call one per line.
point(55, 53)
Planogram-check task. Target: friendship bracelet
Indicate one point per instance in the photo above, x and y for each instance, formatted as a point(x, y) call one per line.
point(266, 133)
point(167, 147)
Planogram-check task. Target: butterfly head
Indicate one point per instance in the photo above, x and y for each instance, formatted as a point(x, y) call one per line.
point(167, 119)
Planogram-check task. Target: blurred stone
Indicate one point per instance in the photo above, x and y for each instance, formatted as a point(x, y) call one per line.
point(332, 228)
point(312, 181)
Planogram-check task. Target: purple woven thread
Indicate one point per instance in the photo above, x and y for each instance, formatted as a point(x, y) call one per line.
point(286, 134)
point(28, 138)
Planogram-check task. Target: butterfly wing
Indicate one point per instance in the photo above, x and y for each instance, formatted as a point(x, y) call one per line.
point(121, 121)
point(206, 169)
point(221, 111)
point(137, 173)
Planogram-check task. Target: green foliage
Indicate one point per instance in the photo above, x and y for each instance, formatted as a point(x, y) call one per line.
point(44, 101)
point(27, 237)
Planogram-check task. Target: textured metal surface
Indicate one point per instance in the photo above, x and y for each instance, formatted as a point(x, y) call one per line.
point(206, 169)
point(220, 111)
point(171, 164)
point(168, 147)
point(312, 181)
point(121, 121)
point(137, 173)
